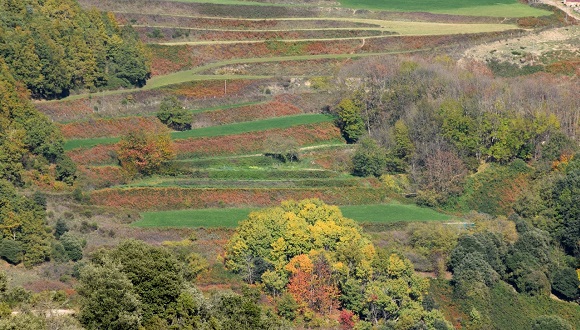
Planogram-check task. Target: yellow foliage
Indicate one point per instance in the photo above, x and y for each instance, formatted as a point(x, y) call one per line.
point(301, 262)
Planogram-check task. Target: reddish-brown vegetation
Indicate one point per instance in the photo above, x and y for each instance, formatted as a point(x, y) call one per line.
point(221, 145)
point(180, 198)
point(246, 113)
point(102, 176)
point(254, 141)
point(110, 127)
point(98, 155)
point(211, 89)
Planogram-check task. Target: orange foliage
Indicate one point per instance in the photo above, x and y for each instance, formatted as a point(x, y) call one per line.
point(144, 153)
point(562, 161)
point(311, 283)
point(212, 89)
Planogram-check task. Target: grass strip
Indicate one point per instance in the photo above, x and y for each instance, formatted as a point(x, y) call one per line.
point(230, 217)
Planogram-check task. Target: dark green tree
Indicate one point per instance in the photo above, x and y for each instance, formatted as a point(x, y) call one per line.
point(350, 120)
point(72, 245)
point(551, 322)
point(369, 158)
point(108, 300)
point(173, 114)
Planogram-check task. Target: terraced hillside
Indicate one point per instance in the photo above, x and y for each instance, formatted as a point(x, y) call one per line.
point(254, 77)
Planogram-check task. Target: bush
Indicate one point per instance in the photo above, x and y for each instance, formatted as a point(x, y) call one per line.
point(66, 170)
point(369, 158)
point(60, 228)
point(39, 199)
point(11, 251)
point(551, 322)
point(141, 153)
point(72, 245)
point(565, 283)
point(172, 113)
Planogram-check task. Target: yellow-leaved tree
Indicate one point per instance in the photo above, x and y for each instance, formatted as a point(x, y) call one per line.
point(307, 252)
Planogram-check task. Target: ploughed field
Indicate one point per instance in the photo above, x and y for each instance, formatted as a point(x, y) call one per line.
point(262, 76)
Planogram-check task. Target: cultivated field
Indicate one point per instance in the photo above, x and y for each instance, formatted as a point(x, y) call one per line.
point(251, 73)
point(229, 217)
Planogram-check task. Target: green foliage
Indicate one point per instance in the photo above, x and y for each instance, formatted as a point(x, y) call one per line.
point(350, 120)
point(27, 136)
point(495, 189)
point(551, 322)
point(72, 245)
point(11, 251)
point(369, 158)
point(147, 268)
point(287, 306)
point(60, 228)
point(566, 200)
point(66, 170)
point(404, 147)
point(173, 114)
point(23, 228)
point(108, 299)
point(284, 149)
point(27, 321)
point(530, 261)
point(565, 283)
point(60, 47)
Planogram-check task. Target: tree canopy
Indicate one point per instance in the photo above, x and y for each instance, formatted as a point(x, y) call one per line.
point(53, 47)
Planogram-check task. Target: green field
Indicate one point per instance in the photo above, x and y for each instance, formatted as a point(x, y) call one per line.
point(230, 217)
point(494, 8)
point(220, 130)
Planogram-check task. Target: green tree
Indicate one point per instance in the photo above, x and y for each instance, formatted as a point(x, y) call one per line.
point(66, 170)
point(369, 158)
point(173, 114)
point(154, 272)
point(404, 147)
point(72, 245)
point(565, 283)
point(551, 322)
point(350, 120)
point(108, 300)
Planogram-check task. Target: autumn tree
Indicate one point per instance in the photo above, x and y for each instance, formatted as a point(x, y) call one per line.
point(142, 153)
point(321, 258)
